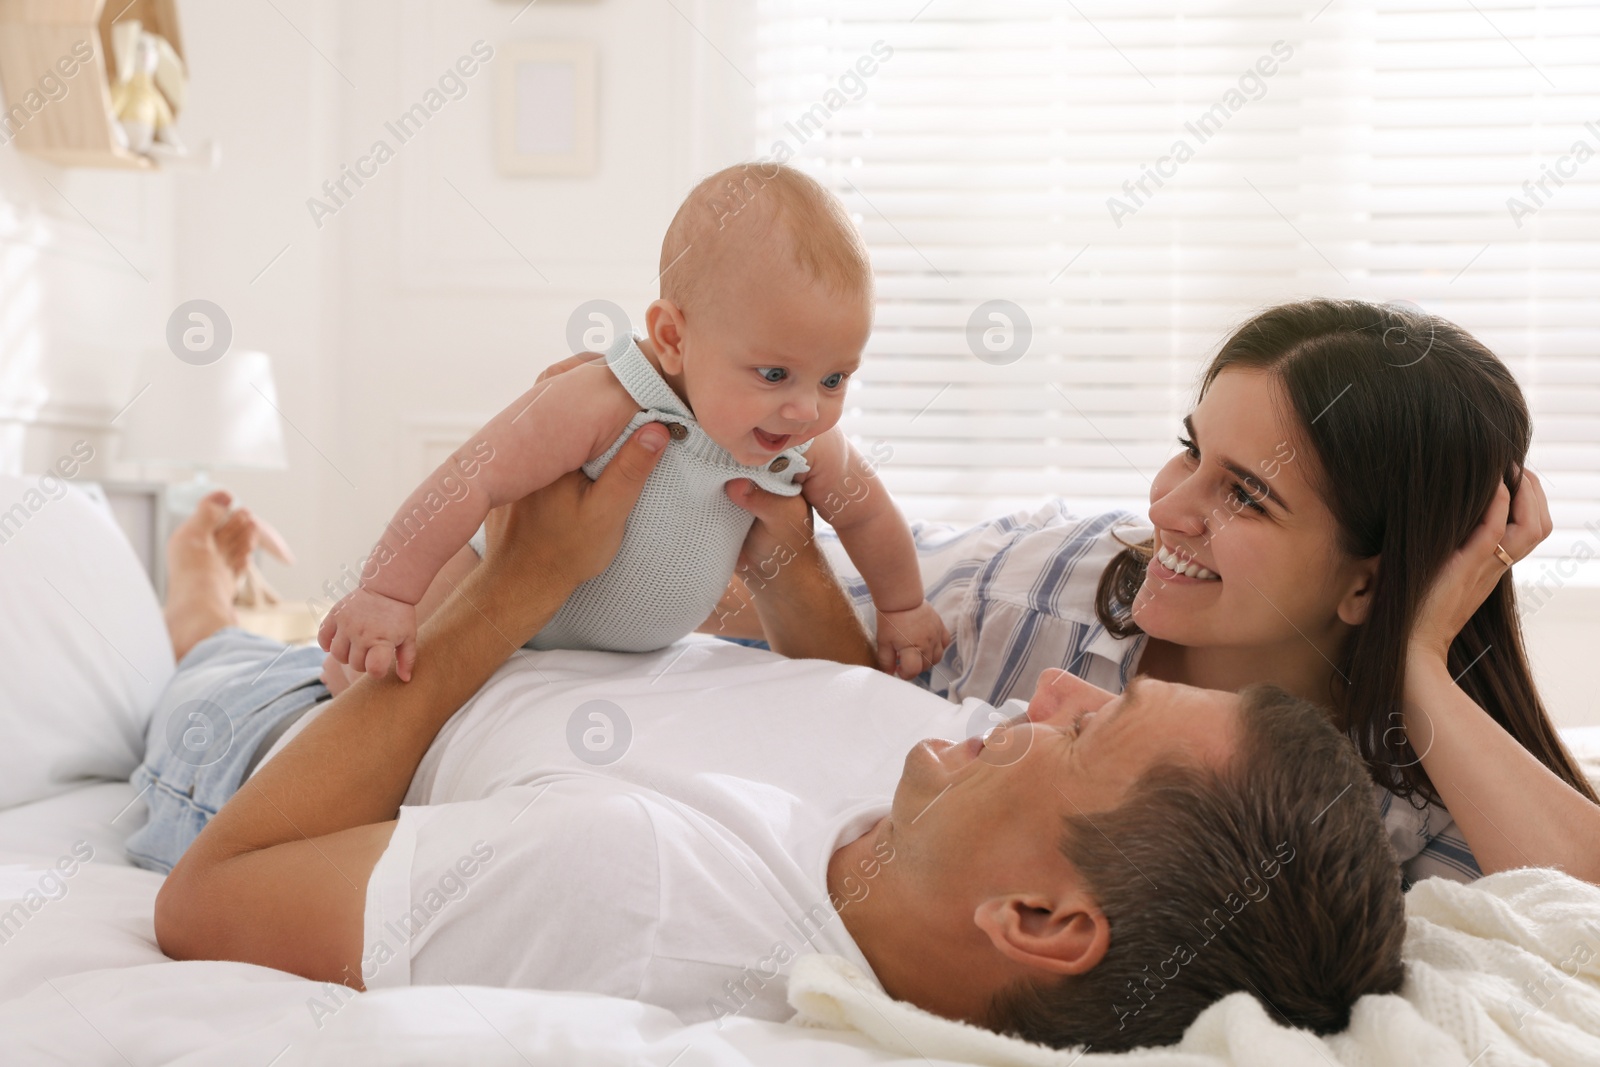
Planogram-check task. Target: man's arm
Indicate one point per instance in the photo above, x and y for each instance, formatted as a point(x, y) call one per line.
point(279, 876)
point(792, 591)
point(848, 494)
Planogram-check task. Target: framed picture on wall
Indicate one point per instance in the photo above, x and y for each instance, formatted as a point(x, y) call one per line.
point(545, 120)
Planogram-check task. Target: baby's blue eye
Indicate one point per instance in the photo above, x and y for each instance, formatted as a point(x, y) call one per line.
point(834, 380)
point(772, 374)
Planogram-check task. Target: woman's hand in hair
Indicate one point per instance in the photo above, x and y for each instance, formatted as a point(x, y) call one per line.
point(1513, 809)
point(1517, 524)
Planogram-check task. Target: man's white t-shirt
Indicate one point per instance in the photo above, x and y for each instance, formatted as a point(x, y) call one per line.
point(689, 870)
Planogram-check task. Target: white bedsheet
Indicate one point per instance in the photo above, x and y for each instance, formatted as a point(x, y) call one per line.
point(1503, 972)
point(102, 814)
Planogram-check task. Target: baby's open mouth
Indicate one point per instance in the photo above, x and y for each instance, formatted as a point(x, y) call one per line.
point(774, 441)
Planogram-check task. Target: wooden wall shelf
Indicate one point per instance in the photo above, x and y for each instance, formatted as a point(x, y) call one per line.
point(74, 130)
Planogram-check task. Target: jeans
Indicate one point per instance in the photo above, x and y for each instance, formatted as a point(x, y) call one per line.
point(232, 694)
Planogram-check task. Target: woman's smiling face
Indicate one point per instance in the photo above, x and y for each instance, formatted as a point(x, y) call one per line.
point(1247, 553)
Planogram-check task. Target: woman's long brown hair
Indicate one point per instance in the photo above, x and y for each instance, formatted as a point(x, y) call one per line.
point(1413, 423)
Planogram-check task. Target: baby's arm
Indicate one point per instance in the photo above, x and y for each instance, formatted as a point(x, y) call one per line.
point(847, 493)
point(553, 428)
point(339, 676)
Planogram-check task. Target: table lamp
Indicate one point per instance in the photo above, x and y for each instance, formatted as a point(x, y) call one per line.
point(215, 417)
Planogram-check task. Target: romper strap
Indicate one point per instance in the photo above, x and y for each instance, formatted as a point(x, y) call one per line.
point(648, 389)
point(651, 392)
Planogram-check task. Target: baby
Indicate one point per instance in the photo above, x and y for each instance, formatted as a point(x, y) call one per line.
point(766, 304)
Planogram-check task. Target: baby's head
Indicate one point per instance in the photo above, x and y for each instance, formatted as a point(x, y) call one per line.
point(766, 304)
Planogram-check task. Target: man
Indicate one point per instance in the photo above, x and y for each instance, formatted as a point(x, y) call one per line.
point(1095, 870)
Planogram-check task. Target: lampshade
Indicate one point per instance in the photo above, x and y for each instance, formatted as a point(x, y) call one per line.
point(218, 416)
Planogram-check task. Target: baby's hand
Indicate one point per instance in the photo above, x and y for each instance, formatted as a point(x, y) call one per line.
point(337, 676)
point(910, 641)
point(371, 633)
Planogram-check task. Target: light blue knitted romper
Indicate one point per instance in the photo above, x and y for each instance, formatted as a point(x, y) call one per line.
point(682, 540)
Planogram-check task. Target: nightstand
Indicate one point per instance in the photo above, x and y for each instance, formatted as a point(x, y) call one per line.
point(293, 624)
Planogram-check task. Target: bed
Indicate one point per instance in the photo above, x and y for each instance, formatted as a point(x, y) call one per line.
point(1504, 971)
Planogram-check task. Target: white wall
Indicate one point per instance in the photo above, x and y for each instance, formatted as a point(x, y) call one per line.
point(86, 267)
point(413, 313)
point(1563, 639)
point(409, 316)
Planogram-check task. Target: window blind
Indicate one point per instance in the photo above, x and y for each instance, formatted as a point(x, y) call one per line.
point(1131, 182)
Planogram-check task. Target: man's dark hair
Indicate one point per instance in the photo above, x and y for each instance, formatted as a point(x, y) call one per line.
point(1272, 875)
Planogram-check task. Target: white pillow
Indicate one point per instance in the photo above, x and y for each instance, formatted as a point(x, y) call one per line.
point(83, 646)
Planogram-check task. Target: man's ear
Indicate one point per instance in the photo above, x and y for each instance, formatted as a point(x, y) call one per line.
point(1357, 600)
point(663, 321)
point(1065, 936)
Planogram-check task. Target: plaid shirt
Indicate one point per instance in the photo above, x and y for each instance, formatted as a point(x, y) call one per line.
point(1018, 596)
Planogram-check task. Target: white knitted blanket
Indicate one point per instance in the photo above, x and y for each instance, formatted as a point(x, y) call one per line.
point(1503, 971)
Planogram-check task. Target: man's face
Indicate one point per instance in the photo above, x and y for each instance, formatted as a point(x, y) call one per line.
point(975, 818)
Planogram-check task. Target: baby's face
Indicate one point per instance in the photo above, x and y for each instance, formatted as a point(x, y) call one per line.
point(769, 371)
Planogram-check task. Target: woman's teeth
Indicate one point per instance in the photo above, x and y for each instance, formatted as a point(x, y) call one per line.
point(1172, 562)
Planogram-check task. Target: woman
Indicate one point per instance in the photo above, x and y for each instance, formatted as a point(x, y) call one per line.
point(1340, 521)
